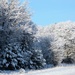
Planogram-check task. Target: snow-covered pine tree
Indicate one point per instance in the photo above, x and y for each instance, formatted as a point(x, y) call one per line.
point(36, 60)
point(17, 50)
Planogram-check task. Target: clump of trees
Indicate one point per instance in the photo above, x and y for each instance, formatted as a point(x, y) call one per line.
point(57, 42)
point(25, 45)
point(17, 37)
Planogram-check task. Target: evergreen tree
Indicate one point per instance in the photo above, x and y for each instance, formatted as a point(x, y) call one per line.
point(16, 37)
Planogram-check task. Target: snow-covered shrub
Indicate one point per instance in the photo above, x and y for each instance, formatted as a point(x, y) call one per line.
point(45, 46)
point(9, 57)
point(13, 57)
point(44, 43)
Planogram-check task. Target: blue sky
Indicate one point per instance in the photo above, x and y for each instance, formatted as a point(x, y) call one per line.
point(47, 12)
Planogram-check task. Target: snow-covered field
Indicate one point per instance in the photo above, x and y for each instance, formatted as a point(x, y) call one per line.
point(68, 70)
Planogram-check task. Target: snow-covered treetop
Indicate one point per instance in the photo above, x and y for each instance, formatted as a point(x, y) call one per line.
point(13, 13)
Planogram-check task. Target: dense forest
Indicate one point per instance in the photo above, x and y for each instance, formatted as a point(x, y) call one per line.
point(23, 44)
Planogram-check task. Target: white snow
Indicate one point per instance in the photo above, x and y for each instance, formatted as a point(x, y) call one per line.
point(55, 71)
point(63, 70)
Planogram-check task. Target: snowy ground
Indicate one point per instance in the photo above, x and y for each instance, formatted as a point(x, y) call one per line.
point(68, 70)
